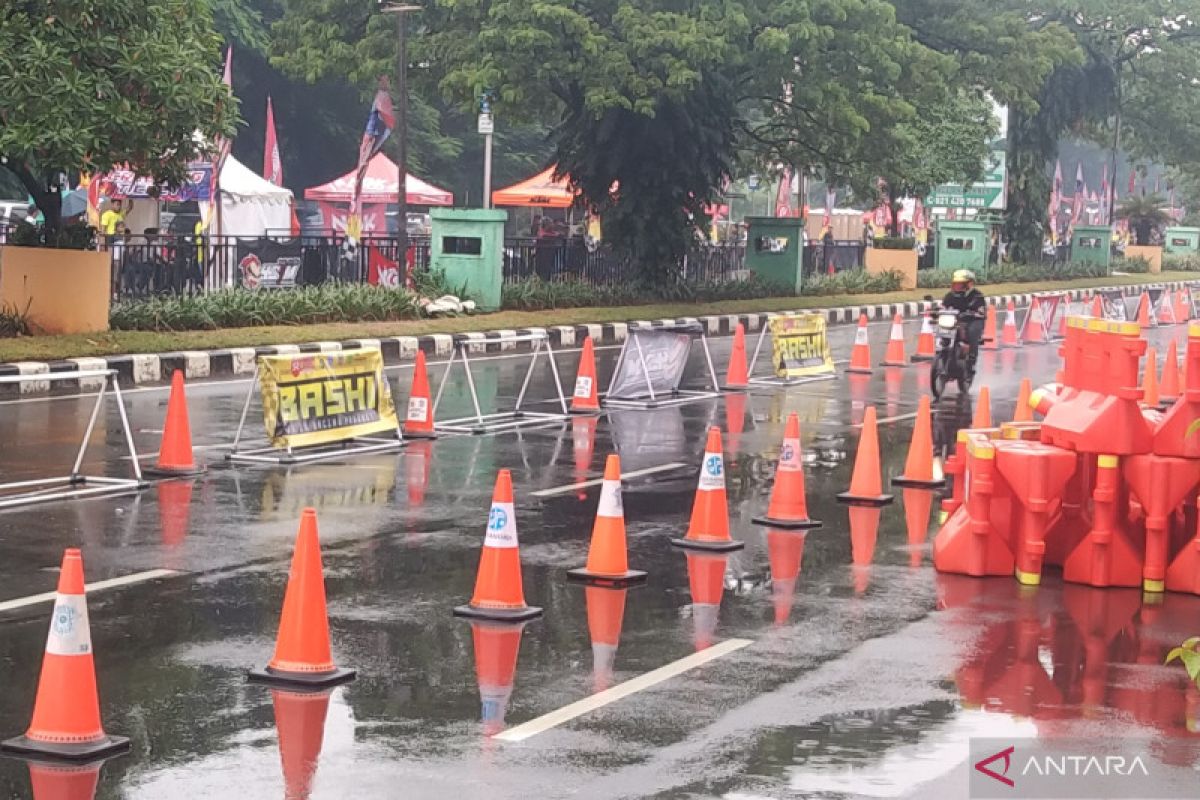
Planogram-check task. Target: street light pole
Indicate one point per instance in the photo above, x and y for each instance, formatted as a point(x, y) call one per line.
point(401, 104)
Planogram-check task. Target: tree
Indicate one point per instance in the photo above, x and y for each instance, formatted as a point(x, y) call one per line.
point(1145, 215)
point(99, 83)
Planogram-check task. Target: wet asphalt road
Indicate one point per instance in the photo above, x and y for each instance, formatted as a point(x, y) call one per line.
point(865, 672)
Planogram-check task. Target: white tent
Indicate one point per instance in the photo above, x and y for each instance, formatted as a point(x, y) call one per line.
point(250, 205)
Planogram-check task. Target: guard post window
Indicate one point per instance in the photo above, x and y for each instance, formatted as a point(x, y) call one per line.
point(462, 245)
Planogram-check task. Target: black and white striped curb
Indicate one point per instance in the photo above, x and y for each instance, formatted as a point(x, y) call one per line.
point(142, 369)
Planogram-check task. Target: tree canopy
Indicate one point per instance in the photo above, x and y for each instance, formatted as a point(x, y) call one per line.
point(100, 83)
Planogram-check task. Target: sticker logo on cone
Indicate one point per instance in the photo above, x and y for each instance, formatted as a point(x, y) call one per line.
point(583, 387)
point(418, 409)
point(610, 500)
point(713, 475)
point(69, 633)
point(789, 456)
point(502, 526)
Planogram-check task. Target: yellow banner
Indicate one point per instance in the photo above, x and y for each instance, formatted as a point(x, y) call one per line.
point(800, 348)
point(325, 397)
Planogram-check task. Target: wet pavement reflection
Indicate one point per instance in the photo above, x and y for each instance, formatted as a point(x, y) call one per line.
point(866, 674)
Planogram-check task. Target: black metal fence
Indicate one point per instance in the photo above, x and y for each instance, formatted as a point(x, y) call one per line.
point(158, 264)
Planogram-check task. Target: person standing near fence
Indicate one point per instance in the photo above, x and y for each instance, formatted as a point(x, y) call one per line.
point(111, 219)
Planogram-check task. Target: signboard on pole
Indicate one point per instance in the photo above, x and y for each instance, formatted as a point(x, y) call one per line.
point(987, 194)
point(325, 397)
point(800, 346)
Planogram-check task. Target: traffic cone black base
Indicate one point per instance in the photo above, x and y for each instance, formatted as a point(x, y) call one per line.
point(917, 483)
point(301, 680)
point(858, 500)
point(77, 753)
point(788, 524)
point(162, 472)
point(725, 546)
point(631, 577)
point(498, 614)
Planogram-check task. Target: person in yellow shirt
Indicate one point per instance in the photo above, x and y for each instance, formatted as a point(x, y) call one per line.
point(111, 218)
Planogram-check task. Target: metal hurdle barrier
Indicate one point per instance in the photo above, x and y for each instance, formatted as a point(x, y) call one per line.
point(661, 364)
point(496, 422)
point(77, 485)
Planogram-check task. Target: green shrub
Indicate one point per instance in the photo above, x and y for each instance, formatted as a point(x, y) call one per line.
point(1182, 263)
point(895, 242)
point(1138, 266)
point(237, 308)
point(1013, 273)
point(853, 281)
point(14, 321)
point(535, 294)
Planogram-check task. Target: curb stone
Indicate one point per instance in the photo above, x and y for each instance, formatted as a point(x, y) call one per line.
point(150, 369)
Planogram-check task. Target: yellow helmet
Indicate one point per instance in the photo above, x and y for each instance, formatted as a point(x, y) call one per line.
point(963, 276)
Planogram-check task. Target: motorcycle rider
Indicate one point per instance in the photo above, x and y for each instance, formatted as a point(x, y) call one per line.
point(969, 302)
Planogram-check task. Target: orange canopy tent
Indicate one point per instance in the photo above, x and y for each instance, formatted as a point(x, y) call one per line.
point(540, 190)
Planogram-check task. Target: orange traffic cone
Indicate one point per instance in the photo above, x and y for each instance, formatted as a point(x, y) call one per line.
point(1010, 336)
point(737, 376)
point(66, 711)
point(785, 551)
point(418, 423)
point(175, 456)
point(918, 468)
point(866, 483)
point(300, 723)
point(1035, 324)
point(1097, 307)
point(1165, 313)
point(1168, 389)
point(605, 616)
point(983, 410)
point(709, 525)
point(1183, 309)
point(788, 508)
point(926, 344)
point(990, 340)
point(608, 561)
point(894, 356)
point(499, 594)
point(1150, 395)
point(303, 655)
point(706, 580)
point(860, 356)
point(1024, 411)
point(64, 781)
point(1145, 317)
point(586, 399)
point(496, 649)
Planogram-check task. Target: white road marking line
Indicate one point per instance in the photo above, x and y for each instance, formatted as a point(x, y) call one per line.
point(577, 709)
point(572, 487)
point(897, 418)
point(111, 583)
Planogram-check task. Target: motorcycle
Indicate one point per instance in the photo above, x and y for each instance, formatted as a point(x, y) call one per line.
point(952, 358)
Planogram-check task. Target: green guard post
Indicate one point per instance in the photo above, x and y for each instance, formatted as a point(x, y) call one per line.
point(1181, 241)
point(1092, 244)
point(961, 245)
point(775, 250)
point(468, 246)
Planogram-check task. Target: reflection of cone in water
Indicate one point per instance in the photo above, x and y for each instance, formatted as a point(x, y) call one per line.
point(709, 525)
point(926, 344)
point(893, 381)
point(174, 510)
point(859, 386)
point(66, 709)
point(735, 419)
point(608, 560)
point(860, 356)
point(1150, 394)
point(789, 505)
point(866, 482)
point(499, 594)
point(737, 376)
point(706, 579)
point(583, 446)
point(175, 456)
point(1168, 388)
point(990, 340)
point(586, 397)
point(300, 721)
point(303, 653)
point(63, 781)
point(785, 551)
point(418, 457)
point(605, 615)
point(918, 468)
point(894, 355)
point(419, 422)
point(496, 649)
point(917, 505)
point(983, 410)
point(864, 530)
point(1024, 411)
point(1010, 336)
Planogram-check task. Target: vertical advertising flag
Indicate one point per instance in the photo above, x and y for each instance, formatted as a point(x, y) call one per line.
point(272, 165)
point(380, 122)
point(783, 198)
point(1080, 194)
point(830, 200)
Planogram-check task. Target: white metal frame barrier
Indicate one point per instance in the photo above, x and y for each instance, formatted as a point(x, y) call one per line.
point(676, 398)
point(499, 421)
point(775, 380)
point(357, 446)
point(76, 484)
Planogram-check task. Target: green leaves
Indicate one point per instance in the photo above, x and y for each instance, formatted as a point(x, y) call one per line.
point(1189, 655)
